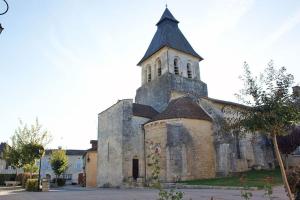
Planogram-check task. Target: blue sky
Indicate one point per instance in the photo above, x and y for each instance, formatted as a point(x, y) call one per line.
point(64, 61)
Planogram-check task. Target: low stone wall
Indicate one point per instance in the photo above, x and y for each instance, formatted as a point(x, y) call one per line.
point(293, 160)
point(10, 171)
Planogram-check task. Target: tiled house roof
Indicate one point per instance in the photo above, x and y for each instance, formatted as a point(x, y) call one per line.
point(69, 152)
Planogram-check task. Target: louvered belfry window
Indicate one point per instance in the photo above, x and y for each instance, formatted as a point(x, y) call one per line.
point(159, 68)
point(189, 70)
point(149, 73)
point(176, 70)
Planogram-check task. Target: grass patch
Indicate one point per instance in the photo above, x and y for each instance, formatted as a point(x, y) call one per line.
point(252, 178)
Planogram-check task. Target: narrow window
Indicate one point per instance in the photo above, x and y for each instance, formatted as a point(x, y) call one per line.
point(108, 151)
point(238, 148)
point(159, 68)
point(176, 70)
point(149, 73)
point(145, 75)
point(189, 70)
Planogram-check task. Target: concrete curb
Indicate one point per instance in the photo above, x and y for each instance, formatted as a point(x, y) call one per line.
point(11, 188)
point(182, 186)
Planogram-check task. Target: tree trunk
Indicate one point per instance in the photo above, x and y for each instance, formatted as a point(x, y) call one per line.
point(283, 174)
point(16, 173)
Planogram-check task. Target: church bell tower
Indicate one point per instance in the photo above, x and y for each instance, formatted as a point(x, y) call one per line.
point(170, 65)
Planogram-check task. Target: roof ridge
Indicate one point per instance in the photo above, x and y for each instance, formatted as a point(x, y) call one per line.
point(167, 15)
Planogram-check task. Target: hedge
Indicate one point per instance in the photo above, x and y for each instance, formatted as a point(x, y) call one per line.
point(7, 177)
point(24, 177)
point(59, 181)
point(32, 185)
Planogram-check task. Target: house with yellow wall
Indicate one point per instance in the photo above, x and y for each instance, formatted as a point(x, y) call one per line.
point(90, 165)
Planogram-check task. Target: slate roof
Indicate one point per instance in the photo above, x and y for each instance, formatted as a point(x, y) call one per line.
point(226, 102)
point(168, 34)
point(143, 111)
point(69, 152)
point(183, 107)
point(2, 146)
point(167, 15)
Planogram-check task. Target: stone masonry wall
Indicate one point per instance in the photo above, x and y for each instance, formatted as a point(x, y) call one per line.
point(157, 93)
point(187, 150)
point(120, 140)
point(111, 123)
point(133, 147)
point(167, 55)
point(236, 153)
point(156, 133)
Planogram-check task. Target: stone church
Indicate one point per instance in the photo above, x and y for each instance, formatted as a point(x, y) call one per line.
point(172, 109)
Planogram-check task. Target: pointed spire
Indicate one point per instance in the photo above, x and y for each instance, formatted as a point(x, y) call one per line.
point(168, 34)
point(167, 15)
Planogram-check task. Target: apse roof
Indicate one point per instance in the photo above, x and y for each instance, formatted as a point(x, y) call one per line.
point(183, 107)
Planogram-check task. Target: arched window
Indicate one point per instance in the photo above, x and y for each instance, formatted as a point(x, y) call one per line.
point(189, 70)
point(176, 70)
point(145, 74)
point(158, 67)
point(148, 73)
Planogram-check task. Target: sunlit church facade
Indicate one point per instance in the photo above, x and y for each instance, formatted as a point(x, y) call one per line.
point(173, 111)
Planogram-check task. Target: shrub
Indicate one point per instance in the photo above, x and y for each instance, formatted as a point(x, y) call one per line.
point(24, 177)
point(59, 162)
point(106, 185)
point(293, 176)
point(7, 177)
point(59, 181)
point(170, 195)
point(32, 185)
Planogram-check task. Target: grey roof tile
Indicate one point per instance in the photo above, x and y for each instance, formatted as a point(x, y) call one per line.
point(143, 111)
point(183, 107)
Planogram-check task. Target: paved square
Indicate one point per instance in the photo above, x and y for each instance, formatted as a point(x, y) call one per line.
point(77, 193)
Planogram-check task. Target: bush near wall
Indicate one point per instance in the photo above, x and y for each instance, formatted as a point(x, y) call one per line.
point(24, 177)
point(32, 185)
point(59, 181)
point(293, 175)
point(7, 177)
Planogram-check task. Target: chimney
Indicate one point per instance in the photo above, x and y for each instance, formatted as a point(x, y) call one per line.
point(94, 144)
point(296, 91)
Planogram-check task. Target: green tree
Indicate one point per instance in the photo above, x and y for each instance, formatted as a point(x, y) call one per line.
point(30, 168)
point(31, 152)
point(27, 145)
point(59, 162)
point(12, 157)
point(271, 110)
